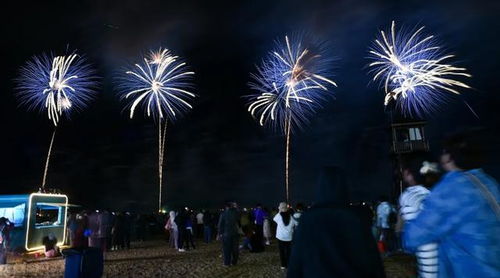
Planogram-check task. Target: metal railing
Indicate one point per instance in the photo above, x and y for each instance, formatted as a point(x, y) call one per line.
point(410, 146)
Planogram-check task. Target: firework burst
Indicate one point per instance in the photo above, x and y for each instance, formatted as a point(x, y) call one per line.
point(291, 84)
point(56, 84)
point(161, 83)
point(414, 71)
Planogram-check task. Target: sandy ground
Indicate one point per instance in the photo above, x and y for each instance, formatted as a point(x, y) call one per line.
point(155, 259)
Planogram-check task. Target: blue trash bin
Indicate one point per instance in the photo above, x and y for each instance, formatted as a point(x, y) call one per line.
point(83, 263)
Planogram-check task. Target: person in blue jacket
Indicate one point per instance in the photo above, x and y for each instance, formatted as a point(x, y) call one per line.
point(461, 214)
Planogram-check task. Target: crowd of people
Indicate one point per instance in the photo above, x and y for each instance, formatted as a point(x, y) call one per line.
point(102, 229)
point(237, 229)
point(448, 216)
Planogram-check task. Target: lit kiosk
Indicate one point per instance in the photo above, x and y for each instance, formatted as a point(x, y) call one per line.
point(34, 217)
point(408, 139)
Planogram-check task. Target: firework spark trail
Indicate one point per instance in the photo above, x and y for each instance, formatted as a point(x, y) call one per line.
point(415, 73)
point(46, 169)
point(57, 85)
point(161, 154)
point(287, 159)
point(291, 84)
point(161, 84)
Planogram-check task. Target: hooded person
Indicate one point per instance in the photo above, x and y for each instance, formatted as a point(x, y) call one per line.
point(171, 227)
point(333, 239)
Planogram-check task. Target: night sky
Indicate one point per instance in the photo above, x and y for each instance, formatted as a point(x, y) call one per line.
point(218, 152)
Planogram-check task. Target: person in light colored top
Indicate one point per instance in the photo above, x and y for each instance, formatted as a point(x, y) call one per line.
point(284, 232)
point(299, 209)
point(267, 230)
point(385, 225)
point(199, 224)
point(411, 204)
point(171, 227)
point(383, 211)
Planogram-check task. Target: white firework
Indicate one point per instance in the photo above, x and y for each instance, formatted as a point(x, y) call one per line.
point(160, 84)
point(57, 99)
point(414, 67)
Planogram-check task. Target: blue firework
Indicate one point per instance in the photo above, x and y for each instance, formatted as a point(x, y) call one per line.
point(160, 84)
point(414, 71)
point(291, 84)
point(56, 84)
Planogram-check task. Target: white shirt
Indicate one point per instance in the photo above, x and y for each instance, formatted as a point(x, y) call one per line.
point(411, 203)
point(199, 218)
point(383, 211)
point(411, 200)
point(283, 232)
point(297, 216)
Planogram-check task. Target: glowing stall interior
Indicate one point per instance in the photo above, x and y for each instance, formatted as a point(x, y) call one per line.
point(34, 217)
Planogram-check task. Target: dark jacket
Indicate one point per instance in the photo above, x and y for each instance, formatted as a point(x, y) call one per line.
point(229, 222)
point(332, 239)
point(181, 220)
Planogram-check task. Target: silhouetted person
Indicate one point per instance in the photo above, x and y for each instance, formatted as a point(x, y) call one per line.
point(50, 245)
point(5, 227)
point(140, 227)
point(189, 234)
point(259, 216)
point(207, 227)
point(117, 232)
point(229, 233)
point(334, 240)
point(127, 229)
point(181, 220)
